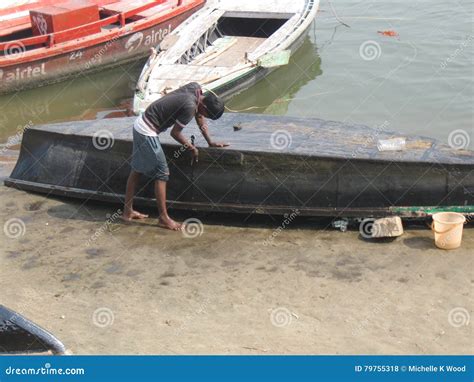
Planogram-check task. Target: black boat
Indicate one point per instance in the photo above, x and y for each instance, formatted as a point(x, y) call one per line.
point(274, 165)
point(18, 335)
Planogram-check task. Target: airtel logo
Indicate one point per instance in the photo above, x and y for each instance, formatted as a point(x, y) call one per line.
point(134, 42)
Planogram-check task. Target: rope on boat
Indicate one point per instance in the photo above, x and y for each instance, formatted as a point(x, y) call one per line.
point(266, 106)
point(333, 10)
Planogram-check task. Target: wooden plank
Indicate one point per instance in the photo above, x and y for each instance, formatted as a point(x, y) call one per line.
point(186, 73)
point(237, 53)
point(218, 48)
point(194, 29)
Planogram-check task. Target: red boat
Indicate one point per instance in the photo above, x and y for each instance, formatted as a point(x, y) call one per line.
point(47, 41)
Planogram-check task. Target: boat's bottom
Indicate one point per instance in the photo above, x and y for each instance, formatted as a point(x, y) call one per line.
point(118, 199)
point(273, 166)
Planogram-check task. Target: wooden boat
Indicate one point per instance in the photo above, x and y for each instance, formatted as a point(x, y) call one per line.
point(227, 47)
point(48, 40)
point(274, 165)
point(18, 335)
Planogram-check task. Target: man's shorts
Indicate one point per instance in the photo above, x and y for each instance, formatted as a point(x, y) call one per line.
point(148, 157)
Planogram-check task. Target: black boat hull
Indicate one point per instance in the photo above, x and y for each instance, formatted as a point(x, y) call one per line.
point(18, 335)
point(328, 169)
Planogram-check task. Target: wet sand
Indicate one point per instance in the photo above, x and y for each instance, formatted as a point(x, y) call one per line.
point(104, 287)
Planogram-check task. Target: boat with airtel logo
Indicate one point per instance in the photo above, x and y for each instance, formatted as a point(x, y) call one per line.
point(48, 41)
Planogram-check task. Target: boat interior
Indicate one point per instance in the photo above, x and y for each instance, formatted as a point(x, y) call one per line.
point(222, 48)
point(19, 32)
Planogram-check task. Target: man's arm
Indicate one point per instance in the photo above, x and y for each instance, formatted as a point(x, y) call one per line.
point(177, 135)
point(201, 121)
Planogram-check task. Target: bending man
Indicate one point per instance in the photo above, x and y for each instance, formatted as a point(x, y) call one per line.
point(175, 110)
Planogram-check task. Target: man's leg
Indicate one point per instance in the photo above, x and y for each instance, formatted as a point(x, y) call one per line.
point(164, 220)
point(128, 212)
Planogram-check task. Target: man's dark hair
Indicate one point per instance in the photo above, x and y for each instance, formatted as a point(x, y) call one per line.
point(214, 105)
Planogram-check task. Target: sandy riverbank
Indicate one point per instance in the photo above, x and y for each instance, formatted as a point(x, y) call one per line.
point(137, 289)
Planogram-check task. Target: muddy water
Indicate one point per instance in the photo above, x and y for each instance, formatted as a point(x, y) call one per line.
point(421, 80)
point(105, 94)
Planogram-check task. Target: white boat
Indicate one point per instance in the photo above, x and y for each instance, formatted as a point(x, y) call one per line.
point(226, 47)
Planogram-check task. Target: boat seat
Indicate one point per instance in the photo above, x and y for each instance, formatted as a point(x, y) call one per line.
point(14, 23)
point(174, 76)
point(188, 72)
point(14, 29)
point(217, 48)
point(235, 52)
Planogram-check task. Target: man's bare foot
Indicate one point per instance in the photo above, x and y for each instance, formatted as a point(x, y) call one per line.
point(168, 223)
point(133, 215)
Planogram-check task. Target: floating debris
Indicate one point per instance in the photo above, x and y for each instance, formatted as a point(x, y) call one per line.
point(238, 127)
point(388, 33)
point(394, 144)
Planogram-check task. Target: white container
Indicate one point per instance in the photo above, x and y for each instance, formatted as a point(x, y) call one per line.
point(395, 144)
point(447, 228)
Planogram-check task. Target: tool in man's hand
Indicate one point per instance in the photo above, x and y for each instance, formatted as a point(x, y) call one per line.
point(193, 138)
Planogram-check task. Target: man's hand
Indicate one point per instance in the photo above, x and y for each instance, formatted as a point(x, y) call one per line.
point(216, 144)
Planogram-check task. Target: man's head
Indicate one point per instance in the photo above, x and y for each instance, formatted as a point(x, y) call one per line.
point(211, 106)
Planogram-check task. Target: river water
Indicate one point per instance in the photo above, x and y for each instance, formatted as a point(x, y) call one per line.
point(419, 81)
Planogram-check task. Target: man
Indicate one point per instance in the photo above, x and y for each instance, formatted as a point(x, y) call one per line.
point(175, 110)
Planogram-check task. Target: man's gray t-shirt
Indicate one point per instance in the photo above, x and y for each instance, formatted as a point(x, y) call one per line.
point(178, 107)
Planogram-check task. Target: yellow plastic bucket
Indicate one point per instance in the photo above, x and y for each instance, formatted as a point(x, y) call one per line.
point(447, 228)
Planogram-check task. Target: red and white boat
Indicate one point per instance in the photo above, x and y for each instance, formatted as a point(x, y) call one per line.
point(47, 41)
